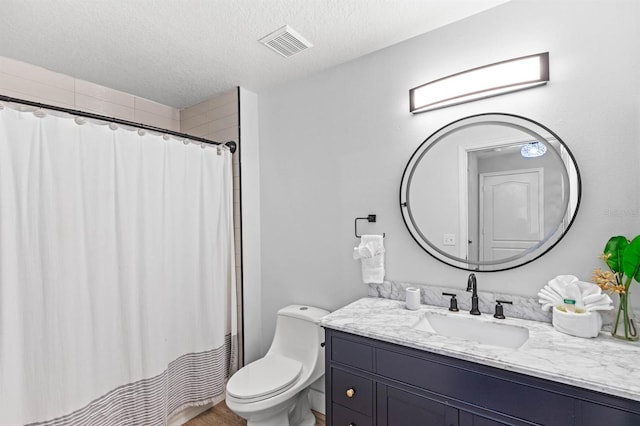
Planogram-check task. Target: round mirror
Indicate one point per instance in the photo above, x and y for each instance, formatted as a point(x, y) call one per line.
point(490, 192)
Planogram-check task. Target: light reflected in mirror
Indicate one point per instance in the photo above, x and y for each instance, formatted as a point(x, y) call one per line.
point(490, 192)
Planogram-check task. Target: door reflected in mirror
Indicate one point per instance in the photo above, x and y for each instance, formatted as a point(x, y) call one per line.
point(490, 192)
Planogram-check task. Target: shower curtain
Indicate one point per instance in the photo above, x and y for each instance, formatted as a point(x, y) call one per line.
point(117, 287)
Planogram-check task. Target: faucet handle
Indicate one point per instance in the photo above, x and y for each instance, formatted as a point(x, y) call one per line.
point(453, 304)
point(499, 310)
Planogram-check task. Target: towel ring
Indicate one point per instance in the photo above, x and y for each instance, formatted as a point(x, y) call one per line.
point(370, 218)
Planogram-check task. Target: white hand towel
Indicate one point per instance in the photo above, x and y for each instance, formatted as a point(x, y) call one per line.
point(371, 254)
point(550, 292)
point(551, 296)
point(560, 282)
point(588, 289)
point(596, 299)
point(567, 287)
point(546, 306)
point(572, 292)
point(587, 296)
point(599, 307)
point(600, 302)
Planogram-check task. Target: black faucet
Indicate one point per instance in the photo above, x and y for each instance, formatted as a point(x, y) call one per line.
point(473, 287)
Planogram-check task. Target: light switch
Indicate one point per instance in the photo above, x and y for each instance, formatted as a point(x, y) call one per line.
point(449, 240)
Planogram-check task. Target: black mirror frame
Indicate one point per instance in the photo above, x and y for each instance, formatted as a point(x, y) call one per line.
point(419, 149)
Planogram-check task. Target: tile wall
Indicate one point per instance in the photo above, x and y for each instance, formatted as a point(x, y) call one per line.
point(36, 84)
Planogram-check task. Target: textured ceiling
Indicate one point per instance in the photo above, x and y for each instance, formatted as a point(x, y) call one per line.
point(181, 52)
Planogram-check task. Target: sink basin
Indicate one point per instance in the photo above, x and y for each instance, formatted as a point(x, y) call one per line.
point(474, 329)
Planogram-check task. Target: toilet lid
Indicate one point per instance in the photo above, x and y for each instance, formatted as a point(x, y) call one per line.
point(266, 376)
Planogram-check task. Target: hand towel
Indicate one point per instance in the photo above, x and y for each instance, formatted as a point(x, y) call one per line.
point(546, 306)
point(572, 292)
point(550, 296)
point(371, 255)
point(587, 296)
point(567, 286)
point(560, 283)
point(597, 301)
point(599, 307)
point(588, 289)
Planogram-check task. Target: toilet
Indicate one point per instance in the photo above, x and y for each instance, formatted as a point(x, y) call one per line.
point(273, 391)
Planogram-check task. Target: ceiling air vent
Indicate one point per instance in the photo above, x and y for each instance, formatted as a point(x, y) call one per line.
point(285, 41)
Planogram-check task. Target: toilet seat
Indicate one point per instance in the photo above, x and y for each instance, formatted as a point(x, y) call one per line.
point(264, 378)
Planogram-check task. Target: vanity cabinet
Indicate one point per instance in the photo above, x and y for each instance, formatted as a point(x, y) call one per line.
point(370, 382)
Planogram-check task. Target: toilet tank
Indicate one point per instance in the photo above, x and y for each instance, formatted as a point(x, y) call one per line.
point(298, 335)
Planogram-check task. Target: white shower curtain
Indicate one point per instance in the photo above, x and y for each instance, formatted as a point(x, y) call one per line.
point(117, 287)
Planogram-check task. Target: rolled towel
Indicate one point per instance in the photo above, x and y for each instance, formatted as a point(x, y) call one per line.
point(587, 324)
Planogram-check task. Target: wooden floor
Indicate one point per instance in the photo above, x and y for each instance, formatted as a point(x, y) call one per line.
point(220, 415)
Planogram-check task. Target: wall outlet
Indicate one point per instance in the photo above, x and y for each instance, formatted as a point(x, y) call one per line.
point(449, 240)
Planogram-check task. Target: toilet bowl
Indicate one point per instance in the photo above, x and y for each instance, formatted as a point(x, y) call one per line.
point(273, 391)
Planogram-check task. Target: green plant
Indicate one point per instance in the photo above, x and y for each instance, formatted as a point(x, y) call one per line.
point(623, 259)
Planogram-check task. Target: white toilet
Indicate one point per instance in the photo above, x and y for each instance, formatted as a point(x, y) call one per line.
point(273, 391)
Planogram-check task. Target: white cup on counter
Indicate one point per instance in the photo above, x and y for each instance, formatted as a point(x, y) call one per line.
point(412, 298)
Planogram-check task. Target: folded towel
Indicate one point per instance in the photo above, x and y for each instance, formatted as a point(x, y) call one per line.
point(588, 289)
point(560, 282)
point(371, 254)
point(546, 306)
point(587, 296)
point(596, 299)
point(599, 307)
point(550, 296)
point(572, 292)
point(593, 298)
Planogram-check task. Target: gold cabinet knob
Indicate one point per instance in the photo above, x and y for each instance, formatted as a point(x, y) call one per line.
point(350, 392)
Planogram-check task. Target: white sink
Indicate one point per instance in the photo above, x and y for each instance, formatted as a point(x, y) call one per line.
point(473, 329)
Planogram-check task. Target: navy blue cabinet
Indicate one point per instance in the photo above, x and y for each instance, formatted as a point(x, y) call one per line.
point(370, 382)
point(399, 407)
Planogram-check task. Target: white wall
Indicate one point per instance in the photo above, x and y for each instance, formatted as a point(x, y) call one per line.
point(252, 288)
point(333, 147)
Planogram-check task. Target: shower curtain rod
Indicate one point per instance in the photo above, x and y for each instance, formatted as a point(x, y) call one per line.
point(231, 144)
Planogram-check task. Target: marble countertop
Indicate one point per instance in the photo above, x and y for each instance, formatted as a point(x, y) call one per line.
point(602, 364)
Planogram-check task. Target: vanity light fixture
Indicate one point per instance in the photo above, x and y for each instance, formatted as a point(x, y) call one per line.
point(533, 149)
point(482, 82)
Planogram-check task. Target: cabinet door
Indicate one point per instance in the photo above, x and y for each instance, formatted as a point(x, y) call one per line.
point(400, 408)
point(479, 386)
point(342, 416)
point(352, 391)
point(470, 419)
point(597, 415)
